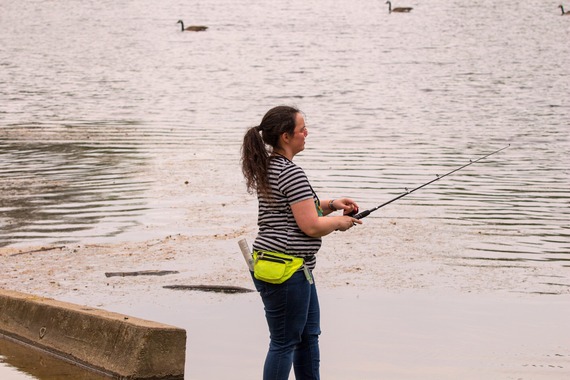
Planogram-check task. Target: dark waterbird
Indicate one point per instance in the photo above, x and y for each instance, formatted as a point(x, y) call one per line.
point(398, 9)
point(192, 28)
point(567, 13)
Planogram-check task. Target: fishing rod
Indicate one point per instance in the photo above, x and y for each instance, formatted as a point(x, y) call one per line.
point(365, 213)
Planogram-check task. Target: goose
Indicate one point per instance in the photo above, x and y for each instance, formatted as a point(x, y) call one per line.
point(567, 13)
point(193, 28)
point(398, 9)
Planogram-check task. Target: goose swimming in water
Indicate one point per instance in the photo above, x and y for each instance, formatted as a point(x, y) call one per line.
point(193, 28)
point(567, 13)
point(398, 9)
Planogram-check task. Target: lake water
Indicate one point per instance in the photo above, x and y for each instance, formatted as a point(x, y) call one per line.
point(106, 106)
point(95, 95)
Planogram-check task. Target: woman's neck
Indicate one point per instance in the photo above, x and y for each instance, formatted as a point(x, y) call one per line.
point(284, 153)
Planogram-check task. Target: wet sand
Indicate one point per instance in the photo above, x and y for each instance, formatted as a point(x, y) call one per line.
point(410, 309)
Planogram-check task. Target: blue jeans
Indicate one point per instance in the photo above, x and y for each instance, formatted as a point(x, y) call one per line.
point(293, 316)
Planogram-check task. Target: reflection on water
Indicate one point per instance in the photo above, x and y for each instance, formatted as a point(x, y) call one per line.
point(58, 190)
point(28, 363)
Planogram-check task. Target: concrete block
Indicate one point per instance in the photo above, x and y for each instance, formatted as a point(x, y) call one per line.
point(121, 346)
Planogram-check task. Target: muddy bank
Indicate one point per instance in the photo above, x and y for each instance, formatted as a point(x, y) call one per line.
point(404, 255)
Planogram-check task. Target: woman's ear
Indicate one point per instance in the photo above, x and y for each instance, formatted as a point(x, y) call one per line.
point(285, 137)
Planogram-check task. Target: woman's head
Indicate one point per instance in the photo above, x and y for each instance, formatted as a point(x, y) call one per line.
point(278, 120)
point(275, 123)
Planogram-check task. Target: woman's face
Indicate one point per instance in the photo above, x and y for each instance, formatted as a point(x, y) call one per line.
point(297, 140)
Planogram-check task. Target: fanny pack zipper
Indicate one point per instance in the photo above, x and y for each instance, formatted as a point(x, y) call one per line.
point(270, 257)
point(275, 260)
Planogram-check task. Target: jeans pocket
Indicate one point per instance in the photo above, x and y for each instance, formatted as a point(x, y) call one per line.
point(269, 290)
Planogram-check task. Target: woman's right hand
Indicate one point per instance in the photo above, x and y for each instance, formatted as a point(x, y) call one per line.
point(346, 222)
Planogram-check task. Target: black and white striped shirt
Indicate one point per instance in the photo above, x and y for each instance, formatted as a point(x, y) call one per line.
point(278, 230)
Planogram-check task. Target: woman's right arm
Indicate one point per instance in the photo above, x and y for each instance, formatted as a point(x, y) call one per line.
point(311, 224)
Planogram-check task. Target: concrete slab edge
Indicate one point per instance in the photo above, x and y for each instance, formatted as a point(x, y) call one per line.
point(113, 344)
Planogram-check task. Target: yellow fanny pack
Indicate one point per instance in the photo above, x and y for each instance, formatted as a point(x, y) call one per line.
point(275, 267)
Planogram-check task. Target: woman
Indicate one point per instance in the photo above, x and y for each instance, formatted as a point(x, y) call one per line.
point(290, 221)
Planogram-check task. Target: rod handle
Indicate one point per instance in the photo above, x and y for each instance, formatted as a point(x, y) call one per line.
point(246, 253)
point(362, 214)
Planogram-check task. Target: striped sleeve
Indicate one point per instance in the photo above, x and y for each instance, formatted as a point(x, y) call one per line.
point(293, 183)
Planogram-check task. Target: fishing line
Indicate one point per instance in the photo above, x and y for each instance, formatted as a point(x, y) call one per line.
point(365, 213)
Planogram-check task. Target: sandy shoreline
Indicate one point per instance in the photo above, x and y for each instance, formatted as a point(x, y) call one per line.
point(356, 260)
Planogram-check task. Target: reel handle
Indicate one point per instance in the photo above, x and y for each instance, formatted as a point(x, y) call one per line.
point(361, 215)
point(356, 215)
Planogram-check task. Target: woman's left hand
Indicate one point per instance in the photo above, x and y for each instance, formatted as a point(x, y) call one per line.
point(346, 204)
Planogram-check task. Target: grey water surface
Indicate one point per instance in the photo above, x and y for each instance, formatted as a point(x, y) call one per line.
point(92, 94)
